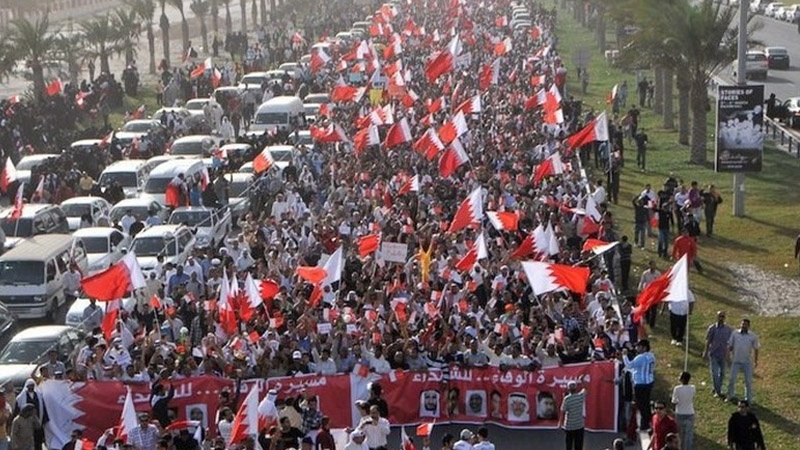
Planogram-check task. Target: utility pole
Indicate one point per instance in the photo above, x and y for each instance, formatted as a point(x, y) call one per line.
point(741, 80)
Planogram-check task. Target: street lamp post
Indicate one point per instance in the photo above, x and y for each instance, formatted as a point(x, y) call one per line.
point(741, 80)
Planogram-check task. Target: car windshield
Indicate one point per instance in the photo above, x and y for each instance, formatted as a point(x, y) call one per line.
point(152, 246)
point(140, 212)
point(17, 228)
point(21, 272)
point(302, 139)
point(191, 218)
point(29, 163)
point(777, 51)
point(314, 98)
point(97, 244)
point(25, 352)
point(756, 57)
point(125, 179)
point(156, 185)
point(76, 209)
point(252, 80)
point(238, 187)
point(137, 127)
point(272, 118)
point(191, 148)
point(281, 155)
point(196, 106)
point(311, 110)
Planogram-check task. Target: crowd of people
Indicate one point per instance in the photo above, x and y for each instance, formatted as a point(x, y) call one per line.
point(330, 196)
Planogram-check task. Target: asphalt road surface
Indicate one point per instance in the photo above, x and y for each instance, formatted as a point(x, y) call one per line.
point(784, 83)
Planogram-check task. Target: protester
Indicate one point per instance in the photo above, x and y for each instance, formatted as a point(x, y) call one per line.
point(663, 424)
point(643, 368)
point(744, 430)
point(743, 347)
point(683, 399)
point(716, 350)
point(572, 408)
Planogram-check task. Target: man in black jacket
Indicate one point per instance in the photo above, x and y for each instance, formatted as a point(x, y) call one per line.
point(159, 401)
point(744, 431)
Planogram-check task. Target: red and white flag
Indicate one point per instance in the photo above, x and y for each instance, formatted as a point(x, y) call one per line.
point(113, 283)
point(110, 316)
point(546, 277)
point(139, 112)
point(216, 78)
point(253, 294)
point(535, 100)
point(326, 274)
point(596, 130)
point(547, 168)
point(476, 253)
point(470, 211)
point(394, 48)
point(503, 220)
point(54, 87)
point(331, 134)
point(501, 21)
point(406, 443)
point(366, 137)
point(612, 95)
point(263, 161)
point(201, 68)
point(8, 175)
point(424, 429)
point(267, 411)
point(470, 106)
point(452, 158)
point(399, 133)
point(19, 202)
point(172, 194)
point(128, 419)
point(672, 286)
point(503, 47)
point(38, 193)
point(526, 248)
point(553, 114)
point(429, 144)
point(368, 244)
point(537, 80)
point(245, 423)
point(443, 62)
point(435, 105)
point(453, 128)
point(598, 246)
point(490, 74)
point(412, 185)
point(227, 313)
point(319, 59)
point(345, 94)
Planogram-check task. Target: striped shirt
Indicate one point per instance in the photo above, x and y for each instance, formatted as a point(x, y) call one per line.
point(643, 368)
point(573, 409)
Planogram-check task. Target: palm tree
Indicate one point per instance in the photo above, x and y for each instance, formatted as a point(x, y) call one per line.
point(103, 39)
point(8, 56)
point(128, 26)
point(228, 20)
point(33, 42)
point(215, 16)
point(178, 4)
point(71, 49)
point(704, 38)
point(145, 10)
point(200, 9)
point(163, 23)
point(254, 13)
point(684, 88)
point(243, 8)
point(263, 5)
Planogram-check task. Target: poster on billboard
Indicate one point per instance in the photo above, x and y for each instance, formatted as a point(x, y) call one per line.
point(740, 128)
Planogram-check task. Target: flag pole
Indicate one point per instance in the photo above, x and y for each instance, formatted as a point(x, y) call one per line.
point(686, 340)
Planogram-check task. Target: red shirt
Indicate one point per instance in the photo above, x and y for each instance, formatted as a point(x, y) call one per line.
point(662, 426)
point(684, 245)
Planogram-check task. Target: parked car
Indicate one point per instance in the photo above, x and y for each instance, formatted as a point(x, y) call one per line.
point(196, 105)
point(96, 208)
point(104, 246)
point(174, 242)
point(37, 218)
point(758, 6)
point(239, 200)
point(195, 123)
point(139, 208)
point(773, 8)
point(210, 226)
point(777, 57)
point(756, 66)
point(30, 162)
point(198, 145)
point(74, 316)
point(30, 347)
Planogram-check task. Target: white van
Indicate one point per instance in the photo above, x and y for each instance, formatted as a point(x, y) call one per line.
point(160, 177)
point(131, 174)
point(278, 113)
point(32, 274)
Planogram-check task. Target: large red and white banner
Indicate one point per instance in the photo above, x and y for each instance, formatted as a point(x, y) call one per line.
point(511, 398)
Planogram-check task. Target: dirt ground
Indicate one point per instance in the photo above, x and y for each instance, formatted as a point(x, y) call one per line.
point(768, 294)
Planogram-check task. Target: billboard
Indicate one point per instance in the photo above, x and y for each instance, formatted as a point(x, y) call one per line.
point(740, 128)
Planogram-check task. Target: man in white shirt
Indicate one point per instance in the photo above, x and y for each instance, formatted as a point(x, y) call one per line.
point(126, 221)
point(599, 194)
point(483, 440)
point(72, 283)
point(191, 267)
point(683, 399)
point(323, 364)
point(678, 316)
point(378, 362)
point(358, 441)
point(376, 428)
point(465, 443)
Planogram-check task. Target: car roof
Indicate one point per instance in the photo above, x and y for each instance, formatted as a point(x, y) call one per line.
point(281, 147)
point(86, 143)
point(39, 157)
point(37, 247)
point(41, 333)
point(194, 138)
point(132, 202)
point(192, 208)
point(81, 200)
point(95, 232)
point(158, 230)
point(173, 167)
point(29, 210)
point(125, 165)
point(239, 177)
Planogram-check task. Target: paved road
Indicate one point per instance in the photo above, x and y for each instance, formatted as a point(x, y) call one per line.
point(784, 83)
